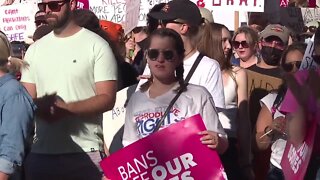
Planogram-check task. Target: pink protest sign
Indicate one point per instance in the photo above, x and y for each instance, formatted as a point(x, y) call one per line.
point(83, 4)
point(295, 160)
point(172, 153)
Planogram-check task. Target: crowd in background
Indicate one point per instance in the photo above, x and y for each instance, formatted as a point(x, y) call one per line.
point(246, 85)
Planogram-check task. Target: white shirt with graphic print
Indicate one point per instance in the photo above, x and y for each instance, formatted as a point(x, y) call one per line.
point(142, 112)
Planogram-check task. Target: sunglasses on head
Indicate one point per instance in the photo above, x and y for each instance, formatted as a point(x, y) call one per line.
point(153, 54)
point(54, 6)
point(288, 67)
point(236, 44)
point(311, 29)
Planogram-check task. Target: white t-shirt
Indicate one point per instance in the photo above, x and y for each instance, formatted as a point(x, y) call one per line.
point(207, 74)
point(279, 145)
point(70, 67)
point(142, 112)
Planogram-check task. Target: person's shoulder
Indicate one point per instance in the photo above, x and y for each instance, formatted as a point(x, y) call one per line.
point(209, 62)
point(197, 90)
point(240, 73)
point(11, 87)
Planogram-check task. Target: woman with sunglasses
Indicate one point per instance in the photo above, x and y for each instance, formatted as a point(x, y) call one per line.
point(165, 53)
point(234, 117)
point(244, 43)
point(271, 125)
point(292, 57)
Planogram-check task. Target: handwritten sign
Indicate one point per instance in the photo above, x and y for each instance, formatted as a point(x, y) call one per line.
point(132, 15)
point(307, 62)
point(232, 5)
point(310, 14)
point(154, 157)
point(115, 10)
point(114, 119)
point(17, 20)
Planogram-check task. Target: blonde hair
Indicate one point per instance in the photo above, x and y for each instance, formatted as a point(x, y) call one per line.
point(8, 63)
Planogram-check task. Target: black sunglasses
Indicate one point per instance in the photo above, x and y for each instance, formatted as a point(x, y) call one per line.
point(153, 54)
point(236, 44)
point(316, 58)
point(54, 6)
point(288, 67)
point(164, 23)
point(312, 29)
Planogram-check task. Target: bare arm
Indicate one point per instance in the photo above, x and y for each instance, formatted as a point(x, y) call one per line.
point(264, 120)
point(31, 88)
point(244, 124)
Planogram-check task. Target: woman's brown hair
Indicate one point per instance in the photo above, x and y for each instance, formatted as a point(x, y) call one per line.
point(210, 44)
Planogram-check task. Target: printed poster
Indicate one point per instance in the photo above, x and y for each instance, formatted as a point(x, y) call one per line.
point(172, 153)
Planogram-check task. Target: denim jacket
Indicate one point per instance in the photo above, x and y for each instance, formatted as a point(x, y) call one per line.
point(16, 123)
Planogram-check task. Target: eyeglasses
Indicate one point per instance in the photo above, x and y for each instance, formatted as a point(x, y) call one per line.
point(54, 6)
point(311, 29)
point(164, 23)
point(153, 54)
point(236, 44)
point(316, 58)
point(288, 67)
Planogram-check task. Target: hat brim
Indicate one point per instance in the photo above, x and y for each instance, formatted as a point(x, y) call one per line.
point(266, 35)
point(162, 16)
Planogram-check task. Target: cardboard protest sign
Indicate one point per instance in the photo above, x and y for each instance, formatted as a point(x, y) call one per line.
point(17, 20)
point(132, 15)
point(310, 14)
point(307, 62)
point(232, 5)
point(262, 81)
point(154, 157)
point(115, 10)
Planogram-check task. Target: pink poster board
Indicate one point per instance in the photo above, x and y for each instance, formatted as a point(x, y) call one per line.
point(175, 152)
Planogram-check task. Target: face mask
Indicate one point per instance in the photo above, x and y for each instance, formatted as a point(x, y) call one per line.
point(270, 55)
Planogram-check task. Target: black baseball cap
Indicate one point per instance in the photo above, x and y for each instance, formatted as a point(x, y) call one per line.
point(179, 9)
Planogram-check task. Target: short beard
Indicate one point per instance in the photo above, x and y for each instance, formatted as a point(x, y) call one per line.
point(63, 21)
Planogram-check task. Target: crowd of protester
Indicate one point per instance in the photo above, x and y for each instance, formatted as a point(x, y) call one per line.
point(247, 86)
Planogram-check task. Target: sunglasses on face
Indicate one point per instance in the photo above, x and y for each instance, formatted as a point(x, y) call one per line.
point(288, 67)
point(153, 54)
point(164, 23)
point(54, 6)
point(236, 44)
point(311, 29)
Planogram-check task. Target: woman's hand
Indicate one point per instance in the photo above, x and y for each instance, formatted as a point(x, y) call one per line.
point(210, 138)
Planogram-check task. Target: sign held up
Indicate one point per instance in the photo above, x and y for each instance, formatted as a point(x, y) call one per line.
point(153, 157)
point(232, 5)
